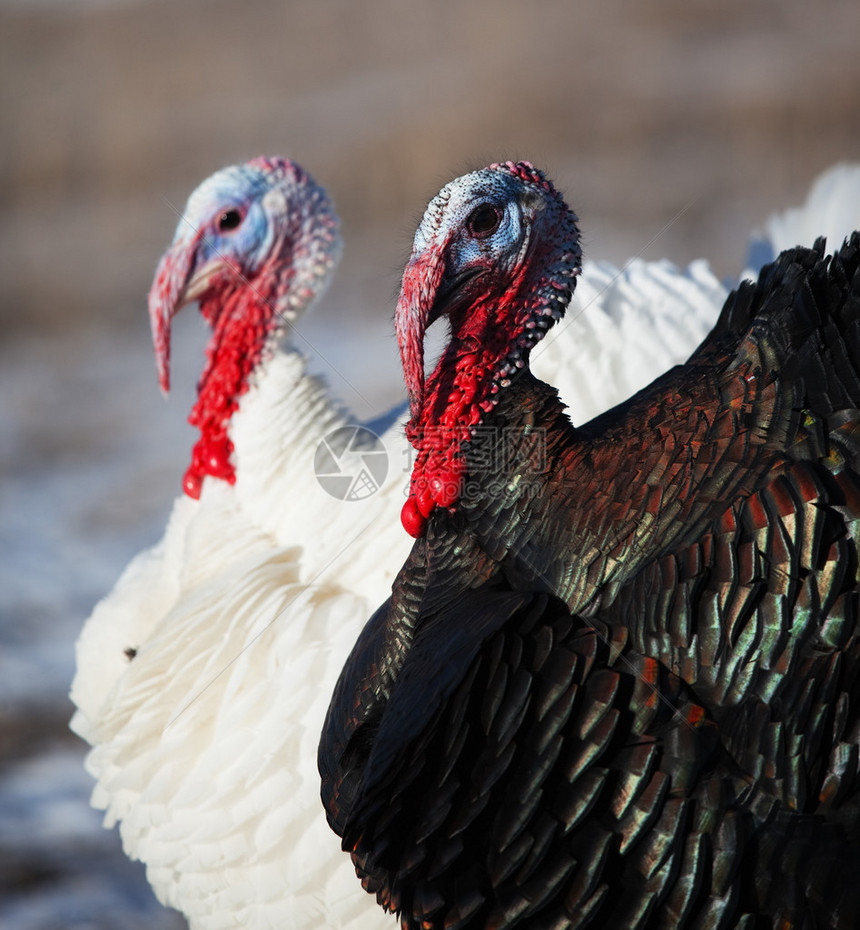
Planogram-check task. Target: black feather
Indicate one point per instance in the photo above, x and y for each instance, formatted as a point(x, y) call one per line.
point(631, 700)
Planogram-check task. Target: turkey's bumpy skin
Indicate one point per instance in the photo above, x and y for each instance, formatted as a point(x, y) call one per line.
point(472, 243)
point(256, 245)
point(695, 765)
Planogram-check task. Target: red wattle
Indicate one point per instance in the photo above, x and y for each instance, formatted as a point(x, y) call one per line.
point(413, 521)
point(445, 487)
point(460, 391)
point(215, 458)
point(192, 484)
point(241, 323)
point(209, 457)
point(424, 499)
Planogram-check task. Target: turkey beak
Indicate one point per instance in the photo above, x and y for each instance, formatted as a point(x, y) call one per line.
point(427, 293)
point(416, 308)
point(177, 283)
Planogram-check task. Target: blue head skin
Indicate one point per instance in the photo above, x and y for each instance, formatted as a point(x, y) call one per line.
point(263, 230)
point(497, 253)
point(256, 245)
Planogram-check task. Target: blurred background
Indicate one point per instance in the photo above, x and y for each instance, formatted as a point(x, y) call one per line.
point(675, 129)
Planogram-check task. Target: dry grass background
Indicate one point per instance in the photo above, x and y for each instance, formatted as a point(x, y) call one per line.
point(111, 113)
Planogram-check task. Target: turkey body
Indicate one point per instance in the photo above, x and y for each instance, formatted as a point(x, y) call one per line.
point(203, 677)
point(616, 681)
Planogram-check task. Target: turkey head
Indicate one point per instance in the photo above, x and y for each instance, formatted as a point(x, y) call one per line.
point(256, 244)
point(497, 253)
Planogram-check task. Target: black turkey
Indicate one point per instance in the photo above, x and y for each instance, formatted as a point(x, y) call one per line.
point(616, 682)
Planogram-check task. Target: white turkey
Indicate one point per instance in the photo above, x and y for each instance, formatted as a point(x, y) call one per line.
point(203, 677)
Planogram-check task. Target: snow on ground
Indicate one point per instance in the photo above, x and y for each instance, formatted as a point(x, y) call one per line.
point(58, 867)
point(88, 461)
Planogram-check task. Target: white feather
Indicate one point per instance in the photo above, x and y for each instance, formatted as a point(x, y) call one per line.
point(832, 210)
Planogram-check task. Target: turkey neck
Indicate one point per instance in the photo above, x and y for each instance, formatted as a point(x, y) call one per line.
point(520, 498)
point(576, 511)
point(245, 328)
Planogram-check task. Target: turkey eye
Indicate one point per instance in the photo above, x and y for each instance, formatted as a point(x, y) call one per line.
point(229, 220)
point(483, 221)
